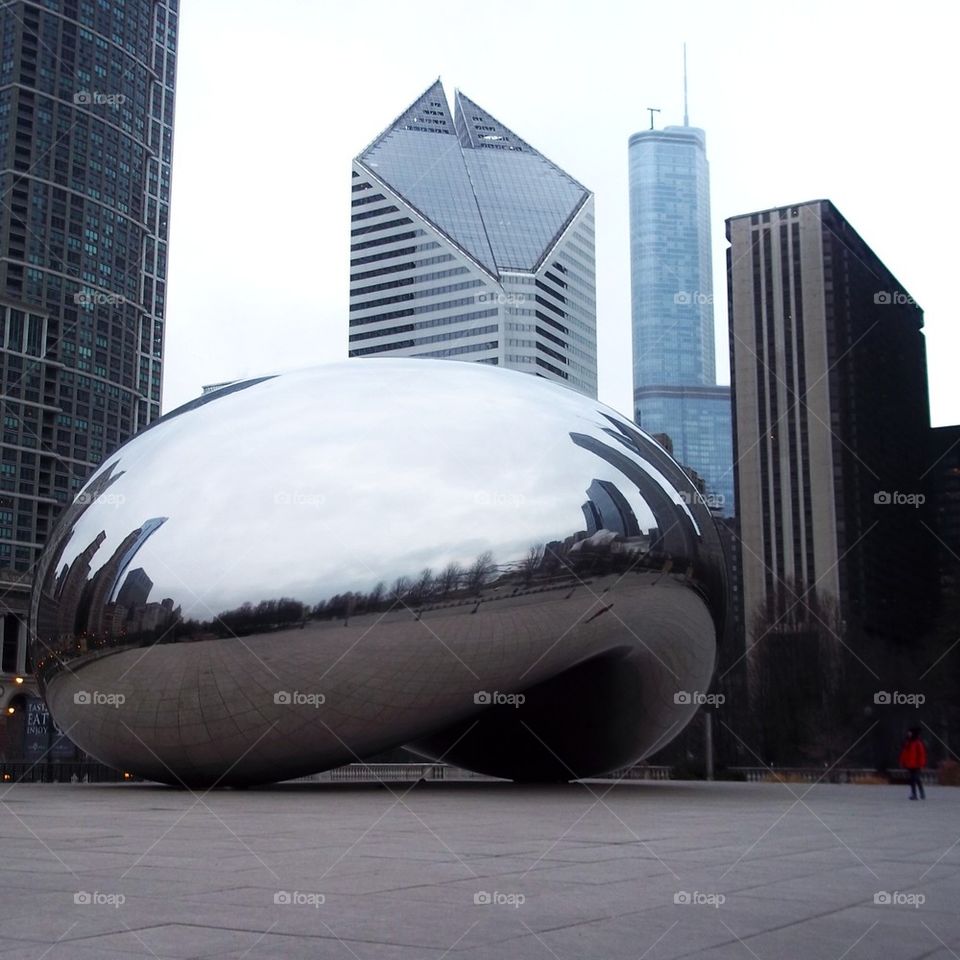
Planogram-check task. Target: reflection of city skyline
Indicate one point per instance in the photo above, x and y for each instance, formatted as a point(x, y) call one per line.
point(111, 607)
point(464, 533)
point(77, 616)
point(397, 557)
point(607, 508)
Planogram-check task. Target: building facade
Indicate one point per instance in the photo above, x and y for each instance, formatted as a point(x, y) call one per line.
point(944, 472)
point(86, 131)
point(674, 364)
point(468, 244)
point(831, 424)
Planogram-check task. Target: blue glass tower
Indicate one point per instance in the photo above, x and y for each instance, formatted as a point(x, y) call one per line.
point(674, 370)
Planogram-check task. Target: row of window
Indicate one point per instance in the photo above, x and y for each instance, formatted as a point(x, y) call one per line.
point(401, 267)
point(459, 351)
point(376, 227)
point(420, 341)
point(417, 294)
point(399, 252)
point(369, 214)
point(412, 311)
point(423, 325)
point(409, 281)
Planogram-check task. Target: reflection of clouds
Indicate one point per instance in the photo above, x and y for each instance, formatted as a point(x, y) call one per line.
point(388, 479)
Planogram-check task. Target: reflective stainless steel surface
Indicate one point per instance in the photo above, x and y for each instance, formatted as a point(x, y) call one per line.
point(304, 570)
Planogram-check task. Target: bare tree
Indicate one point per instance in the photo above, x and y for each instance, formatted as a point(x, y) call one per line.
point(795, 669)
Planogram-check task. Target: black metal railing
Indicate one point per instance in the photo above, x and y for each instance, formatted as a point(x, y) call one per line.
point(90, 771)
point(826, 775)
point(390, 773)
point(66, 771)
point(640, 771)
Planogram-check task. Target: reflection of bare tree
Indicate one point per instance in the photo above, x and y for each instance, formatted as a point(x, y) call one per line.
point(400, 588)
point(531, 563)
point(611, 543)
point(83, 614)
point(131, 621)
point(249, 618)
point(480, 571)
point(423, 588)
point(449, 579)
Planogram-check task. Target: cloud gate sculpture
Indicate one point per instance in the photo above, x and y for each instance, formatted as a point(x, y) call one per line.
point(300, 571)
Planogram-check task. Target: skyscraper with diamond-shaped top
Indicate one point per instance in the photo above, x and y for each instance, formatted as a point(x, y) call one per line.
point(468, 244)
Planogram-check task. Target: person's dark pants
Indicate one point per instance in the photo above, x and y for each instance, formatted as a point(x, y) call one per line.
point(916, 783)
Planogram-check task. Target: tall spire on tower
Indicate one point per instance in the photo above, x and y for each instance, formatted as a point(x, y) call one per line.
point(686, 118)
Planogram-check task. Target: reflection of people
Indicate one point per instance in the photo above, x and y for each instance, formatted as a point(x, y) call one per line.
point(913, 758)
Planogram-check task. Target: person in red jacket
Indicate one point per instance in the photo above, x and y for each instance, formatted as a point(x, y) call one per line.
point(913, 758)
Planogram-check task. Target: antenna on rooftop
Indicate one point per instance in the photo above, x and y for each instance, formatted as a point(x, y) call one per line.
point(652, 110)
point(686, 118)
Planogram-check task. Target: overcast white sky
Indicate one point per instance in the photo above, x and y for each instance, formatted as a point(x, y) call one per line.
point(840, 100)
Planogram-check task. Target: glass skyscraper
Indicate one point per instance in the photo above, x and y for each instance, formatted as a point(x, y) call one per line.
point(699, 418)
point(466, 243)
point(674, 368)
point(86, 130)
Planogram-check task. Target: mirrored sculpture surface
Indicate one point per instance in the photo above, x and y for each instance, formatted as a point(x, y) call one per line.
point(304, 570)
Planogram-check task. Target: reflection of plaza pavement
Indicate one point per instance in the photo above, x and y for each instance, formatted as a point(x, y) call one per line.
point(384, 680)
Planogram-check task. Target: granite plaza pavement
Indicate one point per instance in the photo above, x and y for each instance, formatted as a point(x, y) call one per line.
point(478, 870)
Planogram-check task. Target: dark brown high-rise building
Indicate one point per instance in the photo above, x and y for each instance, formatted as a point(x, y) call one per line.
point(831, 427)
point(86, 131)
point(945, 485)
